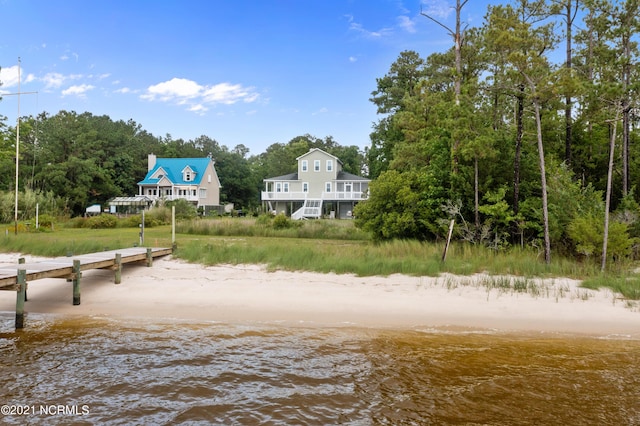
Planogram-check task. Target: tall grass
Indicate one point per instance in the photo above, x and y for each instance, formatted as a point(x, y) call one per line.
point(321, 246)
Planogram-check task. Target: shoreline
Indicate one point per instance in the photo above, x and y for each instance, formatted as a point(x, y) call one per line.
point(175, 290)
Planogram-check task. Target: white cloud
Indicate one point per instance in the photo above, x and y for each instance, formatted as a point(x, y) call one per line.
point(9, 76)
point(123, 90)
point(407, 24)
point(175, 89)
point(322, 110)
point(53, 80)
point(199, 109)
point(437, 8)
point(353, 59)
point(358, 28)
point(187, 92)
point(79, 90)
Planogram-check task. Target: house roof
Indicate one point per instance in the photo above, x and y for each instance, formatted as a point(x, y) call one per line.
point(130, 201)
point(290, 176)
point(172, 168)
point(348, 176)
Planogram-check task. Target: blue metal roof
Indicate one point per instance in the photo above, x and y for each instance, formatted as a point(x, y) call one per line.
point(172, 169)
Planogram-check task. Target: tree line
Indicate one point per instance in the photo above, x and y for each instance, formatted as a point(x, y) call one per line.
point(74, 160)
point(525, 132)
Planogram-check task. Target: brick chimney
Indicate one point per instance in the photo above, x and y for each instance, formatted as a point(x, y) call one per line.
point(151, 162)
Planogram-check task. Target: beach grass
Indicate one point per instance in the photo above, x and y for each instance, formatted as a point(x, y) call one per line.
point(320, 246)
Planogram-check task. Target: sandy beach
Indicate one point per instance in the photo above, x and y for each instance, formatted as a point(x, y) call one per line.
point(249, 293)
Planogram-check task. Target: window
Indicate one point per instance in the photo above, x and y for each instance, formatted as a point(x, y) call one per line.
point(193, 192)
point(329, 165)
point(316, 165)
point(209, 178)
point(203, 193)
point(278, 187)
point(305, 165)
point(187, 176)
point(347, 187)
point(285, 187)
point(327, 187)
point(305, 186)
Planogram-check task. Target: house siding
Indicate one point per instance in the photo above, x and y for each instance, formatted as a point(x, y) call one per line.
point(345, 189)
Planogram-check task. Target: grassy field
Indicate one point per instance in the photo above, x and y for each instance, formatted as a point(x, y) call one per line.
point(320, 246)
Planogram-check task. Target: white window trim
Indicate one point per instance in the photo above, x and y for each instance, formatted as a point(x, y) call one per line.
point(329, 165)
point(328, 187)
point(305, 186)
point(316, 165)
point(305, 165)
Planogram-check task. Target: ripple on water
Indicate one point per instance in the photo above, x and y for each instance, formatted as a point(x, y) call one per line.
point(187, 373)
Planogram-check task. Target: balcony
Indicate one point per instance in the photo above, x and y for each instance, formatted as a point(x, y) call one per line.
point(325, 196)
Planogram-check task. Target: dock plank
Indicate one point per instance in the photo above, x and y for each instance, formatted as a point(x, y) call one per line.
point(62, 267)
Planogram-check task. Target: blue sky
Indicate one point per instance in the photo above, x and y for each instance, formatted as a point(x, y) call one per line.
point(252, 72)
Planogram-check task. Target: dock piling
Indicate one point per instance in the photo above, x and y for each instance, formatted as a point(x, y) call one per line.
point(21, 297)
point(118, 266)
point(21, 261)
point(149, 257)
point(76, 281)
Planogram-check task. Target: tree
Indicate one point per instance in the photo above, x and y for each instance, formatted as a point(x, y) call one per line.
point(393, 90)
point(526, 45)
point(458, 39)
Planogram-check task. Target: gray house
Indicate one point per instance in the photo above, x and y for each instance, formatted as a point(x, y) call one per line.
point(319, 188)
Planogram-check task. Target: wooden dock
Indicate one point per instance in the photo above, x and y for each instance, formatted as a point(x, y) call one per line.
point(15, 277)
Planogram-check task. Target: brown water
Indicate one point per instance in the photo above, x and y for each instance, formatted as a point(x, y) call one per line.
point(103, 371)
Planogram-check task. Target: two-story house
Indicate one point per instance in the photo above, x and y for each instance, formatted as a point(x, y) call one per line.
point(192, 179)
point(319, 188)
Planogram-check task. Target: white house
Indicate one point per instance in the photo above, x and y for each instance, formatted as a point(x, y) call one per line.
point(319, 188)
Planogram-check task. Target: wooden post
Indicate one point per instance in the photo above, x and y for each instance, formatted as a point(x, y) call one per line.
point(76, 282)
point(173, 225)
point(20, 297)
point(118, 278)
point(446, 247)
point(149, 257)
point(21, 262)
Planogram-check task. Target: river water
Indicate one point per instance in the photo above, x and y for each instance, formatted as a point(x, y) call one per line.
point(83, 370)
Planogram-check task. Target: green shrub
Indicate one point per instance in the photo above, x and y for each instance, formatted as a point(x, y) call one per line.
point(281, 222)
point(587, 232)
point(103, 221)
point(184, 209)
point(45, 221)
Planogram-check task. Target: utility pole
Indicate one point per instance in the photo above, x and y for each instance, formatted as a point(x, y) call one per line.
point(18, 142)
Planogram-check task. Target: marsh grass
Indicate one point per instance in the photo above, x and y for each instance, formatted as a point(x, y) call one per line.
point(514, 285)
point(628, 284)
point(325, 246)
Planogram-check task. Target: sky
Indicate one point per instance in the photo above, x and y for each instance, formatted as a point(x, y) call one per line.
point(251, 72)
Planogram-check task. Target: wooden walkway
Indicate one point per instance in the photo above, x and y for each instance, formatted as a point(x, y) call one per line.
point(15, 277)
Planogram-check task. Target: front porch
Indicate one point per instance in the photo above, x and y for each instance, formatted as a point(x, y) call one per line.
point(332, 209)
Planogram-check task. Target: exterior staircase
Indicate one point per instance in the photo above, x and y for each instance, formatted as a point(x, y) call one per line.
point(311, 209)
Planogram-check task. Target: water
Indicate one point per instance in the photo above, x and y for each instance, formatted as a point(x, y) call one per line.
point(117, 372)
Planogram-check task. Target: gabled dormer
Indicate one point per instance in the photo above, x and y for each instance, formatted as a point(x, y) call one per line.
point(188, 174)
